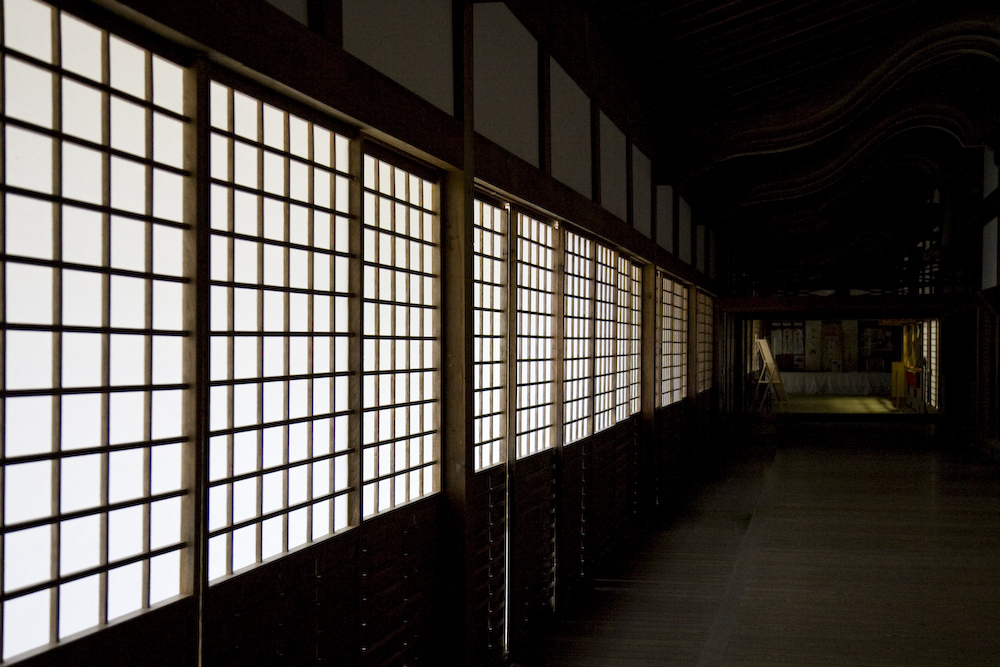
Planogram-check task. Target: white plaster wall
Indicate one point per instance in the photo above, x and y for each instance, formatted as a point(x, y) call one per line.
point(505, 80)
point(711, 254)
point(410, 41)
point(665, 217)
point(700, 247)
point(642, 193)
point(991, 174)
point(614, 179)
point(990, 254)
point(571, 151)
point(684, 231)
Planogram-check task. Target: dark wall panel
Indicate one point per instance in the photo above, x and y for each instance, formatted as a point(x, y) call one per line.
point(532, 556)
point(400, 586)
point(597, 506)
point(572, 521)
point(297, 608)
point(164, 637)
point(367, 597)
point(985, 401)
point(668, 455)
point(487, 563)
point(610, 495)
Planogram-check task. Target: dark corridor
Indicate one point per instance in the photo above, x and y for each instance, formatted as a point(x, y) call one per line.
point(853, 545)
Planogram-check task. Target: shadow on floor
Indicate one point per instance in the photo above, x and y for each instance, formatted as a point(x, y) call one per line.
point(843, 545)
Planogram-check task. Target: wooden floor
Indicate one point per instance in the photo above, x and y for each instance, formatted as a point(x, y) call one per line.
point(813, 553)
point(857, 405)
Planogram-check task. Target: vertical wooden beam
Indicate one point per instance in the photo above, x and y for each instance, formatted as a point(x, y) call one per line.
point(738, 373)
point(197, 257)
point(510, 419)
point(461, 63)
point(457, 415)
point(558, 344)
point(724, 371)
point(647, 423)
point(355, 342)
point(558, 376)
point(692, 346)
point(456, 352)
point(592, 362)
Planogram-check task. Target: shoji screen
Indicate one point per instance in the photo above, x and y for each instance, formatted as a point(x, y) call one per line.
point(618, 337)
point(535, 339)
point(279, 399)
point(95, 397)
point(705, 341)
point(400, 351)
point(489, 267)
point(932, 340)
point(629, 339)
point(606, 325)
point(578, 327)
point(673, 340)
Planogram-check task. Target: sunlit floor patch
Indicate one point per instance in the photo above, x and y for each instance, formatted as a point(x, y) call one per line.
point(844, 405)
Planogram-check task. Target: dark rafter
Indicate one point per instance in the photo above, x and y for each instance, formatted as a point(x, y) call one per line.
point(800, 93)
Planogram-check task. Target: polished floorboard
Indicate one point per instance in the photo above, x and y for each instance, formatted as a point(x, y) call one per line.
point(857, 405)
point(831, 548)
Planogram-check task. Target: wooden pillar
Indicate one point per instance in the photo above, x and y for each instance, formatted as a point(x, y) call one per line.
point(196, 105)
point(456, 353)
point(646, 432)
point(692, 346)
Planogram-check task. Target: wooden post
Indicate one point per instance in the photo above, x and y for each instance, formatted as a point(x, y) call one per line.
point(456, 342)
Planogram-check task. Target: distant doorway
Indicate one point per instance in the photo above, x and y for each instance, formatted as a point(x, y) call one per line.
point(884, 366)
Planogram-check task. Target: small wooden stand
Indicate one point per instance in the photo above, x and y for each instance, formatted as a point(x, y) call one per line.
point(770, 379)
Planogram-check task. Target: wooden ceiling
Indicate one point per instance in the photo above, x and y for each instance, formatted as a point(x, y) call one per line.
point(816, 133)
